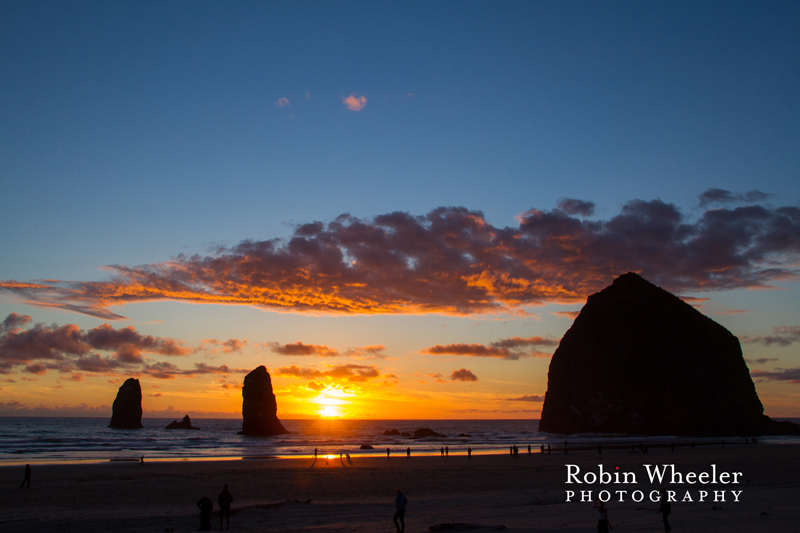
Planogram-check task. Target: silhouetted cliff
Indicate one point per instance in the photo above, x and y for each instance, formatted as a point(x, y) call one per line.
point(639, 360)
point(126, 412)
point(259, 408)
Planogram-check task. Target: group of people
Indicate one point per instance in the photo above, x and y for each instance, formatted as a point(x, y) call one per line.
point(664, 509)
point(206, 506)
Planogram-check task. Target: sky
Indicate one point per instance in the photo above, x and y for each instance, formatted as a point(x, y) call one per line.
point(398, 208)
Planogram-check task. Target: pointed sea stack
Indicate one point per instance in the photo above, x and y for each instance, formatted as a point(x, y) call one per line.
point(640, 360)
point(126, 412)
point(259, 408)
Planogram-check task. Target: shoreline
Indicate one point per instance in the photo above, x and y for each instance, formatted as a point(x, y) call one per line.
point(300, 494)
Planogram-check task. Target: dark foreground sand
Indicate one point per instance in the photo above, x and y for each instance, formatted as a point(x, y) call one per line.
point(292, 495)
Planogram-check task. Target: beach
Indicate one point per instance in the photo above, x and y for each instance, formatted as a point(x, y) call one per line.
point(328, 495)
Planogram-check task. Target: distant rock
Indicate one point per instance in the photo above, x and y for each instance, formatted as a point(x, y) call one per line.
point(427, 432)
point(639, 360)
point(405, 434)
point(390, 432)
point(126, 412)
point(464, 435)
point(259, 408)
point(186, 423)
point(366, 447)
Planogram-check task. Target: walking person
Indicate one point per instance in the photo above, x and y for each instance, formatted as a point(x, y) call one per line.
point(664, 509)
point(225, 499)
point(602, 517)
point(27, 478)
point(400, 506)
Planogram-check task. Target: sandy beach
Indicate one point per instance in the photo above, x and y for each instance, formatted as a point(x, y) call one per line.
point(525, 494)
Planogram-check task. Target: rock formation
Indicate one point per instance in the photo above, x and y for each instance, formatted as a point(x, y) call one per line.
point(426, 432)
point(639, 360)
point(390, 432)
point(186, 423)
point(259, 408)
point(126, 412)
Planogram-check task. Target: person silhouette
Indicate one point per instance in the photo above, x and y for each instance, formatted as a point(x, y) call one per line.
point(529, 449)
point(315, 453)
point(442, 451)
point(387, 453)
point(400, 512)
point(408, 452)
point(542, 449)
point(447, 450)
point(224, 502)
point(469, 452)
point(602, 517)
point(548, 448)
point(27, 478)
point(664, 509)
point(206, 506)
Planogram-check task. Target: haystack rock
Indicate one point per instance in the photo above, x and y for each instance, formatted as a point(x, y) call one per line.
point(259, 408)
point(126, 412)
point(186, 423)
point(640, 360)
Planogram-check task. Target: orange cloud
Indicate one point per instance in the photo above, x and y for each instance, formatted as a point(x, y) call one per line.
point(353, 373)
point(572, 315)
point(354, 103)
point(452, 261)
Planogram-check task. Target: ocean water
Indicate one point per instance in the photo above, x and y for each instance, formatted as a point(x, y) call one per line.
point(54, 440)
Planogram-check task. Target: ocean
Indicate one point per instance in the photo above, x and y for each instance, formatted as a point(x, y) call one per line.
point(58, 440)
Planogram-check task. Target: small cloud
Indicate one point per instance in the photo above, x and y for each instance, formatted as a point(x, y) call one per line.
point(525, 398)
point(512, 348)
point(282, 102)
point(299, 348)
point(571, 206)
point(36, 368)
point(732, 312)
point(354, 103)
point(156, 395)
point(308, 95)
point(438, 377)
point(463, 375)
point(572, 315)
point(760, 361)
point(723, 196)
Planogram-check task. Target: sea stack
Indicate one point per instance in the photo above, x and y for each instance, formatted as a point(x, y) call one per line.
point(126, 412)
point(259, 408)
point(186, 423)
point(639, 360)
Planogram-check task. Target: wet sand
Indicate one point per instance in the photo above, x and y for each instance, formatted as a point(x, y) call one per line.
point(294, 495)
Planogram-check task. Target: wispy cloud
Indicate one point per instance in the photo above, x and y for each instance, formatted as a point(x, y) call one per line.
point(282, 102)
point(781, 336)
point(572, 315)
point(723, 196)
point(525, 398)
point(511, 348)
point(452, 261)
point(355, 103)
point(792, 375)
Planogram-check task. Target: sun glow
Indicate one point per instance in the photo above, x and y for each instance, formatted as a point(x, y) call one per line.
point(331, 400)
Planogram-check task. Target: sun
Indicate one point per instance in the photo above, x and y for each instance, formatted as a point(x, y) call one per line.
point(330, 412)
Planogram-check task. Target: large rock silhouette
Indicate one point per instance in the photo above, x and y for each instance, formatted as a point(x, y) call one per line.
point(126, 412)
point(640, 360)
point(259, 408)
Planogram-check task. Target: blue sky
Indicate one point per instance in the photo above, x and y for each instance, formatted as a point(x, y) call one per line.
point(133, 132)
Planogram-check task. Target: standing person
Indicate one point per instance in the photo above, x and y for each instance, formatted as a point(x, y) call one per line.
point(447, 451)
point(469, 452)
point(408, 452)
point(400, 504)
point(206, 506)
point(225, 499)
point(664, 509)
point(602, 517)
point(442, 451)
point(27, 478)
point(542, 448)
point(529, 449)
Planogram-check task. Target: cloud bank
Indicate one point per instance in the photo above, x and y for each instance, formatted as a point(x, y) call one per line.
point(512, 348)
point(452, 261)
